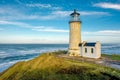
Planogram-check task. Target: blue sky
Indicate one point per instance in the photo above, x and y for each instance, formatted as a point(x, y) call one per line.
point(46, 21)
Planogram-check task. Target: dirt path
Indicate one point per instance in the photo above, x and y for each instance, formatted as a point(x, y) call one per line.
point(102, 61)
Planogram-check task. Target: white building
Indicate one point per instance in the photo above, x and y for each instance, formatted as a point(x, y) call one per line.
point(90, 50)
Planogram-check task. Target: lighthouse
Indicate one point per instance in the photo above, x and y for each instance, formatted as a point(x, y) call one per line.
point(74, 34)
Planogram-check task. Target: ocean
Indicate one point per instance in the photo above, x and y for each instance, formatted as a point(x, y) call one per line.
point(12, 53)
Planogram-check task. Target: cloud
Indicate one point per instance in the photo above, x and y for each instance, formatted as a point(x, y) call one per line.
point(49, 29)
point(93, 13)
point(63, 14)
point(52, 15)
point(108, 5)
point(83, 13)
point(52, 29)
point(6, 13)
point(39, 5)
point(104, 36)
point(35, 28)
point(11, 13)
point(20, 24)
point(14, 23)
point(104, 33)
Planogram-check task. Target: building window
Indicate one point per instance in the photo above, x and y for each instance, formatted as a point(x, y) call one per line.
point(92, 50)
point(85, 50)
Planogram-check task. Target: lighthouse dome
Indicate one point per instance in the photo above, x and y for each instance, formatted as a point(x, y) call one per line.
point(74, 16)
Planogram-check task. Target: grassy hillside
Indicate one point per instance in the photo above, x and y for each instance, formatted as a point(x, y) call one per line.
point(49, 67)
point(112, 56)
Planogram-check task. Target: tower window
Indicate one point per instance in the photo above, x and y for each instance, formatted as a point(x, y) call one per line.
point(92, 50)
point(85, 50)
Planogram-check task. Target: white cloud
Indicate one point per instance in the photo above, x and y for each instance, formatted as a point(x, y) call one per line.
point(35, 39)
point(104, 36)
point(35, 28)
point(21, 24)
point(110, 31)
point(108, 5)
point(11, 13)
point(104, 33)
point(93, 13)
point(6, 13)
point(39, 5)
point(83, 13)
point(49, 29)
point(14, 23)
point(56, 8)
point(61, 13)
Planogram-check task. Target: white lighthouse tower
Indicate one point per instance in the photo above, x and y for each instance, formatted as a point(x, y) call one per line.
point(75, 34)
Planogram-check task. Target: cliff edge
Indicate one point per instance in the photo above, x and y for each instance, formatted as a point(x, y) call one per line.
point(49, 67)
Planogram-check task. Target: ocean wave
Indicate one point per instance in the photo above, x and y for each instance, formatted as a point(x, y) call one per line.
point(17, 57)
point(5, 65)
point(8, 61)
point(8, 53)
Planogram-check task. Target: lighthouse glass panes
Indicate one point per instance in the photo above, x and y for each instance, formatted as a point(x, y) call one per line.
point(75, 17)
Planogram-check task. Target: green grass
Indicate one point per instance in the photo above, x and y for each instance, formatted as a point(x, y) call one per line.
point(112, 56)
point(49, 67)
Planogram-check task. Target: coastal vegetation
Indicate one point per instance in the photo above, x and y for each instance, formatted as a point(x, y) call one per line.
point(112, 56)
point(48, 66)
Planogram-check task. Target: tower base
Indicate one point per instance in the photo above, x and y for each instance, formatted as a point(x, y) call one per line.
point(72, 52)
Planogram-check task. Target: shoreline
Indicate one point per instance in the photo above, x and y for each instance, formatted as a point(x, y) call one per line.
point(57, 65)
point(105, 61)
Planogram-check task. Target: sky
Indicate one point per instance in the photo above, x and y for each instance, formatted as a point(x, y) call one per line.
point(47, 21)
